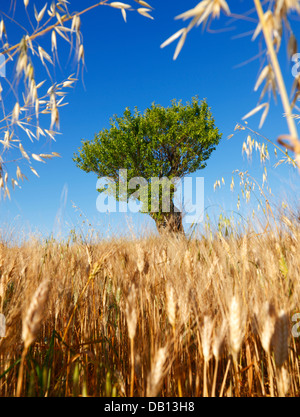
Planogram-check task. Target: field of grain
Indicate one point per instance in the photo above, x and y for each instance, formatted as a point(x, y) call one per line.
point(159, 316)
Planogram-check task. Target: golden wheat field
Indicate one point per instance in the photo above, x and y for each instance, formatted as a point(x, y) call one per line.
point(160, 316)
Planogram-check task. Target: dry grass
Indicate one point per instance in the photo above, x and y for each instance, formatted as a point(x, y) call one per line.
point(158, 316)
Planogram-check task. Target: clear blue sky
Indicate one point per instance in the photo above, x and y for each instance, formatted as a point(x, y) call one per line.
point(125, 66)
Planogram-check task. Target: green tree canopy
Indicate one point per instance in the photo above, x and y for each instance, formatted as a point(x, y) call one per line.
point(162, 142)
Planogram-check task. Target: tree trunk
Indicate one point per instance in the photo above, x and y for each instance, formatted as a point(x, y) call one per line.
point(169, 222)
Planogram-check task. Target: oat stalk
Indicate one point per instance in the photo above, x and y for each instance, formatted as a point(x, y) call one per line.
point(293, 138)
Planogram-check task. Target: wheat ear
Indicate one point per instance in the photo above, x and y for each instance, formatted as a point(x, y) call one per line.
point(236, 335)
point(266, 336)
point(206, 336)
point(31, 325)
point(131, 317)
point(157, 372)
point(281, 339)
point(236, 327)
point(34, 315)
point(217, 346)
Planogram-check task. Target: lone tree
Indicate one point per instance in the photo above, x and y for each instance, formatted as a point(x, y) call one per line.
point(163, 143)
